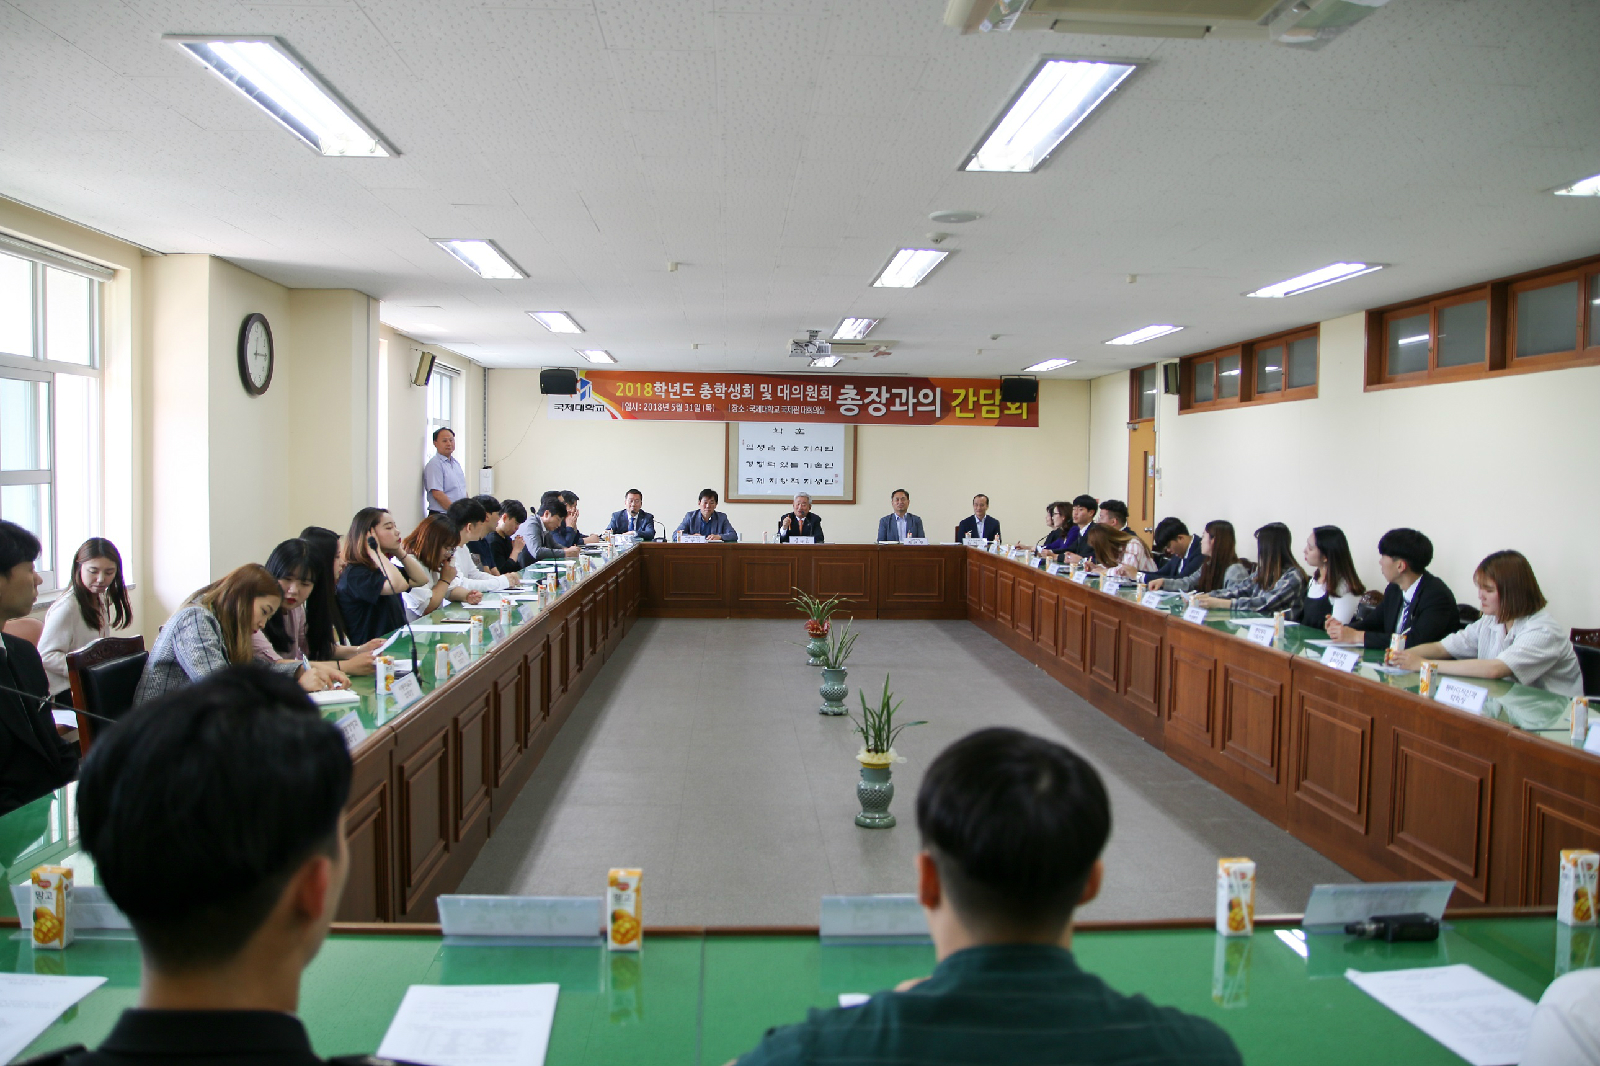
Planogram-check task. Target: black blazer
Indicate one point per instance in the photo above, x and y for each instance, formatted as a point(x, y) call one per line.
point(810, 527)
point(969, 527)
point(1433, 614)
point(1182, 565)
point(34, 759)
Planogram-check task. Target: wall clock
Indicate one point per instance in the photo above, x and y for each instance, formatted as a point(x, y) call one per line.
point(255, 354)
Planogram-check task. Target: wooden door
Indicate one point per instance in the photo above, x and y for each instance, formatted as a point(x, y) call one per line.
point(1141, 478)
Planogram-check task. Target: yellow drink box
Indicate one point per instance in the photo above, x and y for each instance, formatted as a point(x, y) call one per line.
point(52, 907)
point(1575, 894)
point(1236, 897)
point(624, 909)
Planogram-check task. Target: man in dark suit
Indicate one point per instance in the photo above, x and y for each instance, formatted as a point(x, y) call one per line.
point(633, 518)
point(1084, 508)
point(978, 523)
point(1182, 551)
point(1415, 603)
point(800, 522)
point(33, 757)
point(1114, 513)
point(901, 524)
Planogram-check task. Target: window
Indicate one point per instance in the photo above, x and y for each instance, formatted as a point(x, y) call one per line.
point(1265, 370)
point(1543, 320)
point(50, 401)
point(1144, 384)
point(441, 404)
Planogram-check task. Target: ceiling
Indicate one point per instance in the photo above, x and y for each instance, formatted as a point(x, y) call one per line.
point(780, 150)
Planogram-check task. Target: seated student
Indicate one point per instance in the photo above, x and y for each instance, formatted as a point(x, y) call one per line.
point(1173, 540)
point(1113, 513)
point(800, 522)
point(1058, 519)
point(1084, 509)
point(1118, 552)
point(1565, 1030)
point(566, 534)
point(1415, 602)
point(900, 523)
point(33, 757)
point(370, 583)
point(1220, 563)
point(97, 605)
point(215, 821)
point(472, 522)
point(633, 518)
point(537, 534)
point(328, 547)
point(305, 595)
point(1012, 828)
point(478, 547)
point(1334, 590)
point(1514, 638)
point(978, 523)
point(213, 630)
point(1276, 584)
point(708, 522)
point(433, 544)
point(505, 543)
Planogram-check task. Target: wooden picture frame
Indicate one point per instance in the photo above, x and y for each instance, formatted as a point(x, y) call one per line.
point(730, 464)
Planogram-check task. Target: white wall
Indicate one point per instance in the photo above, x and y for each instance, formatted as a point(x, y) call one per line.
point(1476, 465)
point(408, 422)
point(941, 466)
point(1108, 438)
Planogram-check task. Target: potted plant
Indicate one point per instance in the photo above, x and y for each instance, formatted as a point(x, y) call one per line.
point(835, 651)
point(817, 613)
point(877, 729)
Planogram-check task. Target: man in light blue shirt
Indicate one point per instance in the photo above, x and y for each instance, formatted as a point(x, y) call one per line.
point(902, 523)
point(708, 522)
point(443, 480)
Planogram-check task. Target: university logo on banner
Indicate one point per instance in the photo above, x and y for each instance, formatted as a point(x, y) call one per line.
point(583, 405)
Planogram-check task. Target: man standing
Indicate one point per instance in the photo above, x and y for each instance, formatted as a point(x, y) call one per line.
point(800, 522)
point(978, 523)
point(900, 524)
point(1416, 603)
point(633, 518)
point(443, 480)
point(33, 757)
point(707, 521)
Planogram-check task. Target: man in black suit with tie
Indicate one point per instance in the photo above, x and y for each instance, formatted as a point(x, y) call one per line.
point(1182, 551)
point(33, 757)
point(800, 522)
point(633, 518)
point(1416, 602)
point(978, 523)
point(1084, 508)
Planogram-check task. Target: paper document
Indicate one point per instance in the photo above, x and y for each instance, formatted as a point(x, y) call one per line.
point(66, 718)
point(1473, 1015)
point(385, 645)
point(1382, 669)
point(472, 1025)
point(30, 1003)
point(330, 696)
point(443, 627)
point(1327, 643)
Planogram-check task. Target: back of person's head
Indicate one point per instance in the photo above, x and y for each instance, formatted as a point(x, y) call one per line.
point(232, 599)
point(1107, 543)
point(553, 506)
point(1014, 823)
point(1274, 554)
point(17, 546)
point(1409, 546)
point(467, 511)
point(116, 593)
point(490, 505)
point(1338, 567)
point(199, 807)
point(356, 551)
point(515, 511)
point(294, 560)
point(434, 540)
point(1512, 577)
point(1087, 502)
point(1167, 529)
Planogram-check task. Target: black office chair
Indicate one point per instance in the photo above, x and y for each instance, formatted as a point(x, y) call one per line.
point(1589, 663)
point(1468, 614)
point(104, 675)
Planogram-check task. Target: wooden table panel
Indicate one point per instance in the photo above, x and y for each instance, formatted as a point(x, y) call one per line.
point(1023, 605)
point(763, 579)
point(424, 817)
point(1047, 604)
point(1003, 593)
point(1440, 809)
point(368, 829)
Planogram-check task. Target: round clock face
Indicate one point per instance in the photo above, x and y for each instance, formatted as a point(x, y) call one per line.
point(255, 354)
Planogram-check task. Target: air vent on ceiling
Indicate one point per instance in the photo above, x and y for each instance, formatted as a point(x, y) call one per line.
point(1301, 23)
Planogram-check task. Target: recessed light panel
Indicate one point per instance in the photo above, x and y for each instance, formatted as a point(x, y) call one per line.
point(826, 360)
point(1148, 333)
point(1059, 96)
point(483, 258)
point(1586, 187)
point(556, 321)
point(908, 267)
point(854, 329)
point(1328, 275)
point(596, 355)
point(1048, 364)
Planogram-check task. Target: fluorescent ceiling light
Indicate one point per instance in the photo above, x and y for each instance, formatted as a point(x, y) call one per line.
point(908, 267)
point(1056, 99)
point(1139, 336)
point(1048, 364)
point(555, 321)
point(483, 258)
point(826, 360)
point(1418, 339)
point(1328, 275)
point(853, 329)
point(263, 69)
point(596, 355)
point(1586, 187)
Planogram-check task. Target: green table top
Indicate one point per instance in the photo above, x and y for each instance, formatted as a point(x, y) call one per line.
point(706, 999)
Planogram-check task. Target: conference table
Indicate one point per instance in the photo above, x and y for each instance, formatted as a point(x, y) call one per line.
point(704, 996)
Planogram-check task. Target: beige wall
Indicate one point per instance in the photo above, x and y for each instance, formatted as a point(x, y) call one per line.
point(1476, 465)
point(1108, 437)
point(941, 466)
point(408, 421)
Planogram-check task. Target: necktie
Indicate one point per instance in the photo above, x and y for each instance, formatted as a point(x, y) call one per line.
point(633, 523)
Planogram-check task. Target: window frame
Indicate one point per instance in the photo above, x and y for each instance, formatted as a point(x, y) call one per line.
point(1247, 396)
point(440, 372)
point(1134, 394)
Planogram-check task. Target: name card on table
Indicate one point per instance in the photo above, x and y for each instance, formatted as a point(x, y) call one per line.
point(1081, 577)
point(915, 540)
point(1151, 599)
point(352, 729)
point(559, 918)
point(1341, 658)
point(460, 658)
point(407, 690)
point(974, 542)
point(1109, 584)
point(1462, 696)
point(91, 907)
point(1591, 742)
point(1053, 568)
point(1338, 905)
point(1197, 615)
point(1262, 633)
point(692, 538)
point(497, 632)
point(890, 917)
point(802, 540)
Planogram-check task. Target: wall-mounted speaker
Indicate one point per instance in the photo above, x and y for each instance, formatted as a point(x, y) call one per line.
point(424, 369)
point(1019, 390)
point(558, 382)
point(1169, 379)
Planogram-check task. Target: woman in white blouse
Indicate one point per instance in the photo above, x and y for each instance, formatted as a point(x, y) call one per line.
point(1334, 590)
point(96, 604)
point(1516, 637)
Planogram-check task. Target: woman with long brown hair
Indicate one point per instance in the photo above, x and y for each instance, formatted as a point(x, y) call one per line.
point(213, 630)
point(433, 543)
point(371, 584)
point(1118, 552)
point(1334, 590)
point(1515, 638)
point(1278, 583)
point(97, 605)
point(1221, 567)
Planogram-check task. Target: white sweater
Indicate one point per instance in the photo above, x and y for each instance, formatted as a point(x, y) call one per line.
point(65, 631)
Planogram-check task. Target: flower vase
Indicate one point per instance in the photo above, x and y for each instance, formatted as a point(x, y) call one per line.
point(833, 691)
point(817, 649)
point(875, 790)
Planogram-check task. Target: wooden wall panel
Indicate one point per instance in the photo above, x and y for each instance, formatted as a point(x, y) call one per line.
point(1142, 650)
point(851, 573)
point(424, 818)
point(368, 829)
point(1439, 810)
point(473, 774)
point(1333, 760)
point(1072, 634)
point(765, 579)
point(1105, 642)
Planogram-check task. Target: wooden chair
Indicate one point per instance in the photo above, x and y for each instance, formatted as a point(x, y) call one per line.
point(104, 675)
point(1590, 637)
point(1467, 613)
point(28, 628)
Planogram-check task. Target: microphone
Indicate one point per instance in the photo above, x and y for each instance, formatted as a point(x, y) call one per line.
point(416, 667)
point(43, 701)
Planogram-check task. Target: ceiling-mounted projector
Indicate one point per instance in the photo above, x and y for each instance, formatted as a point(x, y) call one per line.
point(809, 347)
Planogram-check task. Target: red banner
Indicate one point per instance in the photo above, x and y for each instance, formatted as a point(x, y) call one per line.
point(714, 397)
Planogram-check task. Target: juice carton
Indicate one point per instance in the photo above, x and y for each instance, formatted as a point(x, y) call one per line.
point(52, 907)
point(383, 674)
point(441, 663)
point(1397, 644)
point(1236, 897)
point(505, 615)
point(624, 909)
point(1277, 625)
point(1575, 895)
point(1580, 719)
point(1425, 686)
